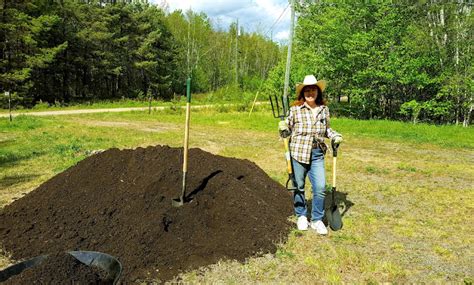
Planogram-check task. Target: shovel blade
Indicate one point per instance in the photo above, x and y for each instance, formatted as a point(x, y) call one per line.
point(334, 219)
point(177, 202)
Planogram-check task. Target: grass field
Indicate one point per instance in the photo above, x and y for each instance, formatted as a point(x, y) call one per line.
point(410, 188)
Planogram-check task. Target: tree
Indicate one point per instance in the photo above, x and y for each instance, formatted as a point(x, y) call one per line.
point(24, 51)
point(388, 57)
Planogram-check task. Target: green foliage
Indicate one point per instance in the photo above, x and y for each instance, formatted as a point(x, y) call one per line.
point(411, 109)
point(226, 96)
point(389, 59)
point(70, 149)
point(63, 52)
point(211, 56)
point(24, 49)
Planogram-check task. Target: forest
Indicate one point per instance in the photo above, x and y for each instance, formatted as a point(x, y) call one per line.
point(382, 59)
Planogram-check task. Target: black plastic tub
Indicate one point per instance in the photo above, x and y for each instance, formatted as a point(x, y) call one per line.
point(104, 261)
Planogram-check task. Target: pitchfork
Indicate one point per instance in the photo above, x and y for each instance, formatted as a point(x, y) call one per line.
point(281, 112)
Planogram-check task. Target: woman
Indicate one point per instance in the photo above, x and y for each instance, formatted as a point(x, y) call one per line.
point(308, 124)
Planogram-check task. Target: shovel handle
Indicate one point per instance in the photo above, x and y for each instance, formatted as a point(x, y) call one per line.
point(291, 183)
point(334, 162)
point(186, 136)
point(186, 127)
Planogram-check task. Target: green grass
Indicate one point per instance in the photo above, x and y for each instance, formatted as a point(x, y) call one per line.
point(262, 120)
point(445, 135)
point(410, 187)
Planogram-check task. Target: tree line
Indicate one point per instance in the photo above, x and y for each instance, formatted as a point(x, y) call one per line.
point(388, 59)
point(62, 51)
point(382, 59)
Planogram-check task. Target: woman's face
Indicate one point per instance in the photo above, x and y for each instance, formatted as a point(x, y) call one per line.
point(310, 93)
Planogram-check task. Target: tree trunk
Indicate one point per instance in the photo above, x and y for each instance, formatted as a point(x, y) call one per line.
point(467, 117)
point(145, 84)
point(149, 104)
point(456, 68)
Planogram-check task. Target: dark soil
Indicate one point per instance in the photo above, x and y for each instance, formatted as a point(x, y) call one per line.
point(119, 202)
point(61, 268)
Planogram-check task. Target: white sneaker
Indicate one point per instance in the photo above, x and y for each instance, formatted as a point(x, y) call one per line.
point(319, 227)
point(302, 223)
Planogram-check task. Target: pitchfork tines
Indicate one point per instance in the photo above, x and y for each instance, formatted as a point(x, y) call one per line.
point(278, 106)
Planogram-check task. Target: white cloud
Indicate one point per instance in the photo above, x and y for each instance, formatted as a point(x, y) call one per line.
point(211, 7)
point(253, 15)
point(282, 35)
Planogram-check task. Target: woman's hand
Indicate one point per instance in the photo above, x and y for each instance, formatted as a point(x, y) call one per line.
point(283, 129)
point(337, 139)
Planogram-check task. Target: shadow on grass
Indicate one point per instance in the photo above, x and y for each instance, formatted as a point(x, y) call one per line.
point(15, 179)
point(343, 203)
point(12, 158)
point(341, 198)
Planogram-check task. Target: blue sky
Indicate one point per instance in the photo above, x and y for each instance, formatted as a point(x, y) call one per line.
point(253, 15)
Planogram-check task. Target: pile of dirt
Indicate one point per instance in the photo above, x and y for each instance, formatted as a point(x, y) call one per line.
point(61, 268)
point(119, 202)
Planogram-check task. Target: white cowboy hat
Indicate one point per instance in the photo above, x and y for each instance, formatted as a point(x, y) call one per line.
point(310, 80)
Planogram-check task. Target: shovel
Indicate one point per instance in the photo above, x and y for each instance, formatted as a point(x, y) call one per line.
point(178, 202)
point(332, 213)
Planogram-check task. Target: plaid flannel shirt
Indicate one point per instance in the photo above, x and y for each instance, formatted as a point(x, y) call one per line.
point(305, 130)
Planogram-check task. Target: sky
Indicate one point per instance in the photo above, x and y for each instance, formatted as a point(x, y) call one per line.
point(253, 15)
